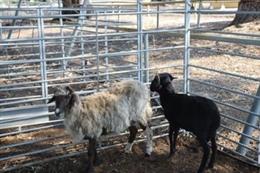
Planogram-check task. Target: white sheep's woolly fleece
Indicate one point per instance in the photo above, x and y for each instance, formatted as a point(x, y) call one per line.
point(114, 110)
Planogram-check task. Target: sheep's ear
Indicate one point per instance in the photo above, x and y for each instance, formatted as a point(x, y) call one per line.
point(69, 89)
point(51, 100)
point(157, 77)
point(171, 77)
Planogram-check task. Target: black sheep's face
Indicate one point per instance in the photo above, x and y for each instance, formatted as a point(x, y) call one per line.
point(160, 80)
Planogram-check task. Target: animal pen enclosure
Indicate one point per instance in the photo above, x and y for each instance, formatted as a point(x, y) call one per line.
point(41, 49)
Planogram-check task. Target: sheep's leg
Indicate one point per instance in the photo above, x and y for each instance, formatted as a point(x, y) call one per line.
point(214, 150)
point(173, 141)
point(148, 132)
point(91, 154)
point(205, 157)
point(149, 141)
point(133, 131)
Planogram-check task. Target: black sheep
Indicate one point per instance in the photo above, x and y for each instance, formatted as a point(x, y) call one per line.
point(196, 114)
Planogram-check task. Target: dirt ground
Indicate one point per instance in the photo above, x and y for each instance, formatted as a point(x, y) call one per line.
point(185, 160)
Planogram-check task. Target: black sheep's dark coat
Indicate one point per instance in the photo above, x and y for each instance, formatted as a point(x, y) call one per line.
point(196, 114)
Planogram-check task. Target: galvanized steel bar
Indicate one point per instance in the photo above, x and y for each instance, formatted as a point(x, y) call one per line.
point(42, 53)
point(228, 105)
point(224, 72)
point(224, 88)
point(14, 20)
point(186, 71)
point(251, 119)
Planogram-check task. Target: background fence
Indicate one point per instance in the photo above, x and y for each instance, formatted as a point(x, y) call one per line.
point(41, 48)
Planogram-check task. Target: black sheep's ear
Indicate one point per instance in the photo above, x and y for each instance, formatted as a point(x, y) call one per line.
point(157, 77)
point(51, 100)
point(171, 77)
point(69, 89)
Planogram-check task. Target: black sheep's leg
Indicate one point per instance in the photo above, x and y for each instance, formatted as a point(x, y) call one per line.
point(205, 157)
point(91, 154)
point(214, 150)
point(170, 139)
point(149, 138)
point(173, 141)
point(133, 131)
point(175, 135)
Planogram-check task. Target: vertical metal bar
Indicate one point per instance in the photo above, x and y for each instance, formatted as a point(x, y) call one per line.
point(1, 31)
point(140, 39)
point(106, 47)
point(14, 20)
point(198, 14)
point(252, 119)
point(42, 53)
point(158, 16)
point(64, 62)
point(258, 144)
point(97, 50)
point(187, 46)
point(83, 60)
point(81, 22)
point(118, 19)
point(146, 56)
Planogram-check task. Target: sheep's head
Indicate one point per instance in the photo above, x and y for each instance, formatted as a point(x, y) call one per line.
point(62, 99)
point(161, 80)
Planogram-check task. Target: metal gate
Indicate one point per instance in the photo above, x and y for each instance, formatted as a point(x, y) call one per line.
point(42, 48)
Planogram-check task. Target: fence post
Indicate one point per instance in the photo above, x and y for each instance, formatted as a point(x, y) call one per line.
point(14, 20)
point(41, 38)
point(187, 46)
point(158, 16)
point(1, 31)
point(62, 39)
point(81, 22)
point(248, 130)
point(106, 47)
point(146, 57)
point(198, 14)
point(97, 50)
point(140, 39)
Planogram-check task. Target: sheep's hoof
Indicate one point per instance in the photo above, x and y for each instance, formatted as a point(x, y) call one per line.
point(98, 161)
point(171, 154)
point(210, 166)
point(147, 155)
point(128, 152)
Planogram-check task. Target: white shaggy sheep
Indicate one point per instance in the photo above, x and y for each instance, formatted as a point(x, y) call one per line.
point(125, 105)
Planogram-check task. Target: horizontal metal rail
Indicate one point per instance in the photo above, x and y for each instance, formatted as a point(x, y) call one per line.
point(226, 33)
point(239, 121)
point(7, 87)
point(72, 154)
point(230, 129)
point(224, 88)
point(31, 142)
point(63, 146)
point(29, 130)
point(228, 105)
point(206, 49)
point(237, 143)
point(226, 73)
point(238, 154)
point(135, 32)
